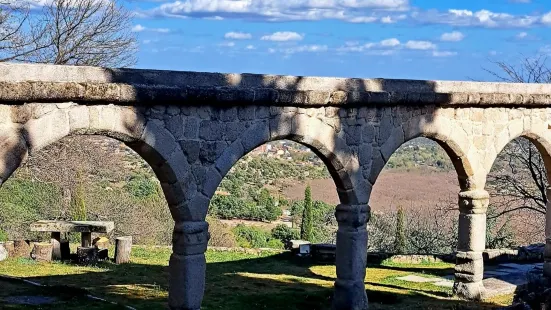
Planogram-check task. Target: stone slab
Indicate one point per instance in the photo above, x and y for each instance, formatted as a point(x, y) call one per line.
point(73, 226)
point(419, 279)
point(496, 287)
point(444, 283)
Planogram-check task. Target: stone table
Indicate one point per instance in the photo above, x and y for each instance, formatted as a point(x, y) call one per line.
point(86, 228)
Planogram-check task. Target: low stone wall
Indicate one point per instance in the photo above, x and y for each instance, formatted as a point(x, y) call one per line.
point(246, 250)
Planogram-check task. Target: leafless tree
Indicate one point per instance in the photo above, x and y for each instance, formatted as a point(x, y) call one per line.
point(15, 39)
point(71, 32)
point(518, 180)
point(530, 70)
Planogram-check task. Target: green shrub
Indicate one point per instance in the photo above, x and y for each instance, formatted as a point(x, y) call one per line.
point(3, 236)
point(284, 233)
point(220, 234)
point(141, 186)
point(254, 237)
point(275, 244)
point(230, 207)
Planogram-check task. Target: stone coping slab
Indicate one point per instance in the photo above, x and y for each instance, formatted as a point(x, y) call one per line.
point(73, 226)
point(21, 83)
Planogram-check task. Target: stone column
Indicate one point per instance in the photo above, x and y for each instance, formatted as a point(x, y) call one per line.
point(188, 265)
point(547, 252)
point(469, 268)
point(351, 257)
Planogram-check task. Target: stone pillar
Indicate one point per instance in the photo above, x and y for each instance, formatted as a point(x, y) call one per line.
point(351, 257)
point(469, 268)
point(547, 252)
point(188, 265)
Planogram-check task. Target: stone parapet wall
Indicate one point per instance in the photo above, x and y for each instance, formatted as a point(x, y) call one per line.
point(47, 83)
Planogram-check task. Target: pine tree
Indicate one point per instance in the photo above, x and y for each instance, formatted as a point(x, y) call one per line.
point(307, 227)
point(400, 237)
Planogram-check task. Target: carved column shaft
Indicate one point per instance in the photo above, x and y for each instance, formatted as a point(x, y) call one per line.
point(547, 252)
point(469, 269)
point(351, 257)
point(187, 267)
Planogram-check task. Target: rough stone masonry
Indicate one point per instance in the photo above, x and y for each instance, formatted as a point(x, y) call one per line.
point(193, 127)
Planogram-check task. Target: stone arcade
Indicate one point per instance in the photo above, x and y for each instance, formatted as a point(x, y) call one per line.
point(192, 127)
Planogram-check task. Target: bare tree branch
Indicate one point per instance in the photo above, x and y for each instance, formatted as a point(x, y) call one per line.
point(69, 32)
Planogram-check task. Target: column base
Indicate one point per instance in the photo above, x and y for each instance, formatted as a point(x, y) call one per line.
point(349, 295)
point(469, 290)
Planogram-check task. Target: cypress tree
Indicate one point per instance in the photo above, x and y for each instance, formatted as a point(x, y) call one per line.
point(307, 227)
point(400, 237)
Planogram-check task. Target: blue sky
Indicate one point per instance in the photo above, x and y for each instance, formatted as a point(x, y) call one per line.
point(416, 39)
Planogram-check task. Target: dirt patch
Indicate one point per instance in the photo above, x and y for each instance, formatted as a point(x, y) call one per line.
point(414, 189)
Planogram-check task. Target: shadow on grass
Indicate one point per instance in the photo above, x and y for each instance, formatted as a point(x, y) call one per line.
point(273, 282)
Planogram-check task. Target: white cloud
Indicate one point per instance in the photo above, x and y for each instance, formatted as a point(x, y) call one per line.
point(238, 36)
point(250, 47)
point(546, 19)
point(522, 35)
point(227, 44)
point(420, 45)
point(282, 36)
point(301, 49)
point(359, 11)
point(390, 42)
point(481, 18)
point(545, 50)
point(353, 11)
point(454, 36)
point(443, 53)
point(138, 28)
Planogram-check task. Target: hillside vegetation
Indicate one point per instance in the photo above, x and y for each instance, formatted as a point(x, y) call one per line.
point(96, 178)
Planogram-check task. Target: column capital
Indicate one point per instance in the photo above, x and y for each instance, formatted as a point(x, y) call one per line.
point(353, 216)
point(190, 238)
point(474, 202)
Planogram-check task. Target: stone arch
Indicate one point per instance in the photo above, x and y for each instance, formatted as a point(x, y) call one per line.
point(455, 143)
point(48, 123)
point(13, 150)
point(537, 133)
point(311, 132)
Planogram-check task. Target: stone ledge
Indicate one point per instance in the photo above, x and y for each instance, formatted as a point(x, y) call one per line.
point(20, 83)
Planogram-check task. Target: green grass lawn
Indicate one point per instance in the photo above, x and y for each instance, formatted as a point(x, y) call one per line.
point(234, 281)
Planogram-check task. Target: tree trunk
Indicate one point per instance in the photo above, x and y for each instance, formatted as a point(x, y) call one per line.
point(21, 249)
point(123, 247)
point(87, 255)
point(42, 252)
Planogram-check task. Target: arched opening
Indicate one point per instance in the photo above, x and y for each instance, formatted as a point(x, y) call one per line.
point(86, 178)
point(517, 184)
point(262, 202)
point(93, 178)
point(415, 196)
point(266, 188)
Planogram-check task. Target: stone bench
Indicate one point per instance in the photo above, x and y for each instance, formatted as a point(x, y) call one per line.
point(85, 228)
